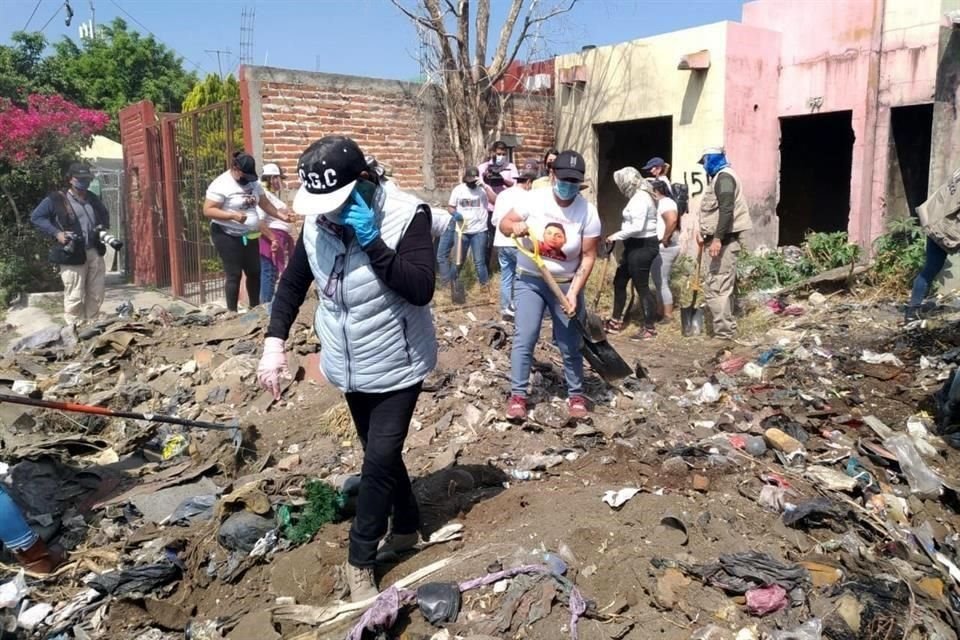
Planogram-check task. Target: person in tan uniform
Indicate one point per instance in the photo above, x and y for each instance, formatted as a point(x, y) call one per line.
point(724, 215)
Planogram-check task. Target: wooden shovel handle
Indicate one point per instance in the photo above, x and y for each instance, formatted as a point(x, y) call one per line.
point(459, 254)
point(555, 288)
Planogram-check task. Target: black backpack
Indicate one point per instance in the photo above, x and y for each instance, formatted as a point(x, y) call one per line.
point(681, 195)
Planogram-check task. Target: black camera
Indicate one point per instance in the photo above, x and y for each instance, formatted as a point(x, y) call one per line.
point(492, 176)
point(74, 243)
point(112, 241)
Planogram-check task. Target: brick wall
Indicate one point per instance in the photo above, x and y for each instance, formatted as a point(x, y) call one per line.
point(400, 123)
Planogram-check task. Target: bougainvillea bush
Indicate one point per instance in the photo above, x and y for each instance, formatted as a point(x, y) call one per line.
point(39, 139)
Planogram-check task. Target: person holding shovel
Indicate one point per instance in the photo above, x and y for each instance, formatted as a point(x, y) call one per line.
point(724, 215)
point(370, 253)
point(562, 206)
point(468, 226)
point(668, 232)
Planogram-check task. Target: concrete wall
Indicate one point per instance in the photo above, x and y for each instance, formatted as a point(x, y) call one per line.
point(399, 122)
point(750, 122)
point(639, 79)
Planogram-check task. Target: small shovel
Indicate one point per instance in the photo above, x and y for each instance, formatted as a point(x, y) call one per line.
point(458, 294)
point(593, 321)
point(691, 318)
point(599, 353)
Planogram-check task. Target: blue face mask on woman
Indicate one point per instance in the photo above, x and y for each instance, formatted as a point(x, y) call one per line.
point(566, 190)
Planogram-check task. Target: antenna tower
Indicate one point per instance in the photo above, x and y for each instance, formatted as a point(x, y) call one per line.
point(247, 15)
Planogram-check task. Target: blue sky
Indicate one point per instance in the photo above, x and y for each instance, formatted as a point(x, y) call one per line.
point(357, 37)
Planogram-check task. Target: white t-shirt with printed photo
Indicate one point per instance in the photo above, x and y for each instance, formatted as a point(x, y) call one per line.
point(231, 197)
point(559, 231)
point(472, 205)
point(507, 201)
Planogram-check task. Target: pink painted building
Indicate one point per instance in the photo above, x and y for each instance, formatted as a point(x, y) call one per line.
point(837, 114)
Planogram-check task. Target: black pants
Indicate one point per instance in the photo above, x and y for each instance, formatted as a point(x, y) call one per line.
point(382, 421)
point(238, 259)
point(638, 256)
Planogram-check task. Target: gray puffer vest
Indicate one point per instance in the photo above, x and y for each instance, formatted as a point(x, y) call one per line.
point(372, 340)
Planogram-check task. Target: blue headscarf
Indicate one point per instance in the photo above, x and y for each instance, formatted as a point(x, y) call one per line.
point(714, 162)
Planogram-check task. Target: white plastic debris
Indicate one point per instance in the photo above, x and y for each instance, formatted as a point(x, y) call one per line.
point(922, 440)
point(617, 499)
point(880, 358)
point(12, 592)
point(31, 618)
point(753, 370)
point(708, 394)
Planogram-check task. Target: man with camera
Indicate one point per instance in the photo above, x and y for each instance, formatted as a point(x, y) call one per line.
point(76, 219)
point(499, 174)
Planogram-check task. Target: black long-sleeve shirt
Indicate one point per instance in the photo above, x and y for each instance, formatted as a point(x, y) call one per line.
point(726, 190)
point(409, 271)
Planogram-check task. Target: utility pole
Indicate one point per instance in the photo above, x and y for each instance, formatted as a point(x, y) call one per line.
point(219, 63)
point(93, 20)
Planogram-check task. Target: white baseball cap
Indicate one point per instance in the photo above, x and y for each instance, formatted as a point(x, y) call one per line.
point(271, 169)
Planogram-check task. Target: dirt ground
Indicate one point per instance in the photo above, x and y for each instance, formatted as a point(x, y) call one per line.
point(648, 434)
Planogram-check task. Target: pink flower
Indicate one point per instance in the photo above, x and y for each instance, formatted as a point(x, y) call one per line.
point(47, 124)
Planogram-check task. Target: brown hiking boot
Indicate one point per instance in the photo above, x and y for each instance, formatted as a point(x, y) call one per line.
point(39, 558)
point(362, 583)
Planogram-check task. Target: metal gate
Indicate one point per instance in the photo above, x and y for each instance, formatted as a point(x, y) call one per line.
point(191, 150)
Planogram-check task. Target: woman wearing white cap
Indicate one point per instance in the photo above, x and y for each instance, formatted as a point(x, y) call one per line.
point(276, 242)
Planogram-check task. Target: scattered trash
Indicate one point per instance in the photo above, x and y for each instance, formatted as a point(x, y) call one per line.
point(880, 358)
point(242, 530)
point(13, 591)
point(809, 630)
point(766, 600)
point(439, 602)
point(138, 581)
point(324, 505)
point(922, 480)
point(617, 499)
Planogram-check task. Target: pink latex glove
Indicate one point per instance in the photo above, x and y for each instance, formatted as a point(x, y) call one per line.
point(273, 366)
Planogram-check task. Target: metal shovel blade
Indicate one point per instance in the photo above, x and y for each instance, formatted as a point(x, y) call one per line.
point(602, 356)
point(691, 321)
point(594, 331)
point(458, 293)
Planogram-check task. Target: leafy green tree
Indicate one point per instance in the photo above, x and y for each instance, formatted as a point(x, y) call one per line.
point(117, 68)
point(24, 70)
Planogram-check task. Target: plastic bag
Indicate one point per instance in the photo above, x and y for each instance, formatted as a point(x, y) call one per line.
point(439, 602)
point(242, 530)
point(139, 580)
point(809, 630)
point(922, 480)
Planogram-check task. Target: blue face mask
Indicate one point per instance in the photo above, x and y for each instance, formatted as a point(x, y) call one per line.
point(566, 190)
point(714, 162)
point(80, 184)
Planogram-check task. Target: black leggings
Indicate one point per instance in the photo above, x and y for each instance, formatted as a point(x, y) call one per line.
point(382, 421)
point(638, 256)
point(238, 259)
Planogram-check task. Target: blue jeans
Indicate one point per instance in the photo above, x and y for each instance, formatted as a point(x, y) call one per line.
point(932, 266)
point(507, 257)
point(475, 243)
point(268, 280)
point(532, 297)
point(15, 533)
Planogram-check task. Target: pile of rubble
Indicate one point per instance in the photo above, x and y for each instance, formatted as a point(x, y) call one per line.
point(792, 487)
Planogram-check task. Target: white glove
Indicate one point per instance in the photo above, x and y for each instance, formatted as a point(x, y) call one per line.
point(273, 366)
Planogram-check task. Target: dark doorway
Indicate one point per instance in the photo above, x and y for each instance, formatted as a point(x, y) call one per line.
point(911, 128)
point(623, 144)
point(816, 158)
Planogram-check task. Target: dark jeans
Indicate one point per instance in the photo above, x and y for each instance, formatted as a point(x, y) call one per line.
point(638, 256)
point(932, 266)
point(382, 421)
point(238, 259)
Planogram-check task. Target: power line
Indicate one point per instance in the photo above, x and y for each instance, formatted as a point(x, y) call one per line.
point(33, 13)
point(145, 28)
point(47, 23)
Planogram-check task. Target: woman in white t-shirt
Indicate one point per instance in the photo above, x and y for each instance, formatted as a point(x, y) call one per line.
point(567, 229)
point(231, 204)
point(467, 206)
point(276, 243)
point(640, 248)
point(668, 231)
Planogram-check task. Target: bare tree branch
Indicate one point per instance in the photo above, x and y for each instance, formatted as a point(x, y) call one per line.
point(463, 32)
point(418, 19)
point(529, 21)
point(483, 31)
point(497, 65)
